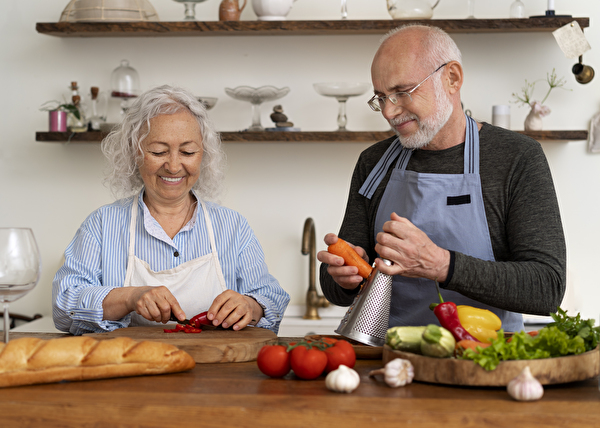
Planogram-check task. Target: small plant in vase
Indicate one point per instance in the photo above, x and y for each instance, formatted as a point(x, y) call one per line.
point(533, 121)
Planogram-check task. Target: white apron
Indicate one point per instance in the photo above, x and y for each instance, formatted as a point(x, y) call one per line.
point(449, 209)
point(195, 283)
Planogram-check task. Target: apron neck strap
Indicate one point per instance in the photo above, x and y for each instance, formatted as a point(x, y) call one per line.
point(471, 147)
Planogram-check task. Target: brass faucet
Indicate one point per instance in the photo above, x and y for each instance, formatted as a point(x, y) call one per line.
point(309, 246)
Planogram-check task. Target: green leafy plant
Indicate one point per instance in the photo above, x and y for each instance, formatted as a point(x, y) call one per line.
point(566, 335)
point(57, 106)
point(526, 95)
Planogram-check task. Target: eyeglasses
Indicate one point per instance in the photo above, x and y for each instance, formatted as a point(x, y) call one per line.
point(398, 98)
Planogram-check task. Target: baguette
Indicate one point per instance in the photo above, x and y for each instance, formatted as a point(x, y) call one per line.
point(29, 361)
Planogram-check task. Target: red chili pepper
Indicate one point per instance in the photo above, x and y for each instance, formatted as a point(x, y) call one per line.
point(447, 315)
point(200, 319)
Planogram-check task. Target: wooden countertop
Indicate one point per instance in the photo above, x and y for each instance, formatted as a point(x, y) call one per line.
point(238, 394)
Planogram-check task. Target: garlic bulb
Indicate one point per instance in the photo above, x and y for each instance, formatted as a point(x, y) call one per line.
point(342, 379)
point(525, 387)
point(398, 372)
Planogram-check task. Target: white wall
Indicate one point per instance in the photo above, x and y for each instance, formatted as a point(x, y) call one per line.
point(53, 187)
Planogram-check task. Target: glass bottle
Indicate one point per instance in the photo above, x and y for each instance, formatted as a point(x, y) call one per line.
point(74, 123)
point(517, 9)
point(99, 104)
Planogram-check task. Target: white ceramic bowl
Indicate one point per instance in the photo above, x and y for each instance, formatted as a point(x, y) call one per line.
point(341, 89)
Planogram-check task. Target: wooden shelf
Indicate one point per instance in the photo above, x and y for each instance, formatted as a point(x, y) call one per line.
point(295, 137)
point(263, 28)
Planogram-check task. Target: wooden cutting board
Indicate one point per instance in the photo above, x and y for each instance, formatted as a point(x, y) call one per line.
point(210, 346)
point(465, 372)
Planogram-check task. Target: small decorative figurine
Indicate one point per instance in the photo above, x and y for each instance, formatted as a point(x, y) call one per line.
point(280, 119)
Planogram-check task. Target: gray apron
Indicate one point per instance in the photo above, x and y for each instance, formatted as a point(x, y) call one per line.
point(449, 209)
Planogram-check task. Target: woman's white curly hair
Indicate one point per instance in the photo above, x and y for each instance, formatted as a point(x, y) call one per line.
point(123, 146)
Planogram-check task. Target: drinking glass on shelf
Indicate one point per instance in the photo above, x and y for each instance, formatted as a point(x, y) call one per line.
point(20, 267)
point(344, 10)
point(471, 7)
point(517, 9)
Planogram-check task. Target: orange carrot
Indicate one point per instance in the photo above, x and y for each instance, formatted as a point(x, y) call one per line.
point(351, 258)
point(461, 345)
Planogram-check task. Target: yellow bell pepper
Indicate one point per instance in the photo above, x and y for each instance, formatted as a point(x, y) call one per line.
point(480, 323)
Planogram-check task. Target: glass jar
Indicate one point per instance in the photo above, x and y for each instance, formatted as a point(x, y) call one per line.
point(125, 81)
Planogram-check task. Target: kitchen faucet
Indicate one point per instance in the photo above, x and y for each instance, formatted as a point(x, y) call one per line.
point(309, 246)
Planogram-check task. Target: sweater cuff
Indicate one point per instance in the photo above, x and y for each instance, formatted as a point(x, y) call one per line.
point(352, 292)
point(450, 271)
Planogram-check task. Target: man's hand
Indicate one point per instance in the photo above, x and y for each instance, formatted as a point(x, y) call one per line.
point(346, 276)
point(413, 254)
point(234, 309)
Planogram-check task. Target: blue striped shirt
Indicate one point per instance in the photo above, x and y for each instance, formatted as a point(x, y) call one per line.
point(96, 262)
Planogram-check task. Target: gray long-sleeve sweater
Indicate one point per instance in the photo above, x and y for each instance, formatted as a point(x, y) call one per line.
point(522, 212)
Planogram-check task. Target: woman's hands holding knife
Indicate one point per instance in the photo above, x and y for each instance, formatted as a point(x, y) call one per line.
point(229, 309)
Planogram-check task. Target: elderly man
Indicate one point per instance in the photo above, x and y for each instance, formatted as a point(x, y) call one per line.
point(449, 199)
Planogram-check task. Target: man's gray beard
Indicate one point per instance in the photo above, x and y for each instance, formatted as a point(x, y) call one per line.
point(429, 126)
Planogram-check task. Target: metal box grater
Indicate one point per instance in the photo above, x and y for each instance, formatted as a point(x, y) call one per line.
point(366, 321)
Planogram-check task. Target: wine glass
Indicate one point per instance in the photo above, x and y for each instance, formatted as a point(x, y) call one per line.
point(341, 91)
point(190, 8)
point(344, 10)
point(20, 267)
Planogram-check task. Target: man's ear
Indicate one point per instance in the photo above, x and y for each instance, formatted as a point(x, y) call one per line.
point(454, 76)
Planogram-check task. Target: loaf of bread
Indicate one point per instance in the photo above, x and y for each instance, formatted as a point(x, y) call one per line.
point(28, 361)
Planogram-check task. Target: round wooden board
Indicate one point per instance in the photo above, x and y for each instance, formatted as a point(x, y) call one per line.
point(210, 346)
point(451, 371)
point(363, 352)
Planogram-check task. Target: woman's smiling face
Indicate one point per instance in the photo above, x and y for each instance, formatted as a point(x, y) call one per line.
point(172, 154)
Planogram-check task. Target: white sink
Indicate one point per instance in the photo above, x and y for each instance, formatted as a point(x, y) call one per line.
point(293, 325)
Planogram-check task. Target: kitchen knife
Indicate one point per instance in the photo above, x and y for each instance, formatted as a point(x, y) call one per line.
point(201, 319)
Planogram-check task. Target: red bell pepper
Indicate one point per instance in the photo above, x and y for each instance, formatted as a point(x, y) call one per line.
point(447, 315)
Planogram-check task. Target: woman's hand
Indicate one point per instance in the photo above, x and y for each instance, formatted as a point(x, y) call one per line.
point(234, 309)
point(346, 276)
point(152, 303)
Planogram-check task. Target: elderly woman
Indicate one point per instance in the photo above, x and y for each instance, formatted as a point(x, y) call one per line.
point(165, 250)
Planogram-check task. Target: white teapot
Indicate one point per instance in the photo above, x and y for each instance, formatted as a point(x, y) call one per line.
point(272, 10)
point(411, 9)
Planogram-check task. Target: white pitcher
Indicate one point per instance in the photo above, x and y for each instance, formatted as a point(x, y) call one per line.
point(272, 10)
point(411, 9)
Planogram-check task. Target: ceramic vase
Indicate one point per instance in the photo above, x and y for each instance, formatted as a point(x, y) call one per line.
point(57, 121)
point(272, 10)
point(533, 121)
point(230, 10)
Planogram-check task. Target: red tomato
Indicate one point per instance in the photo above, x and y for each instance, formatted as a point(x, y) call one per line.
point(274, 360)
point(308, 362)
point(341, 352)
